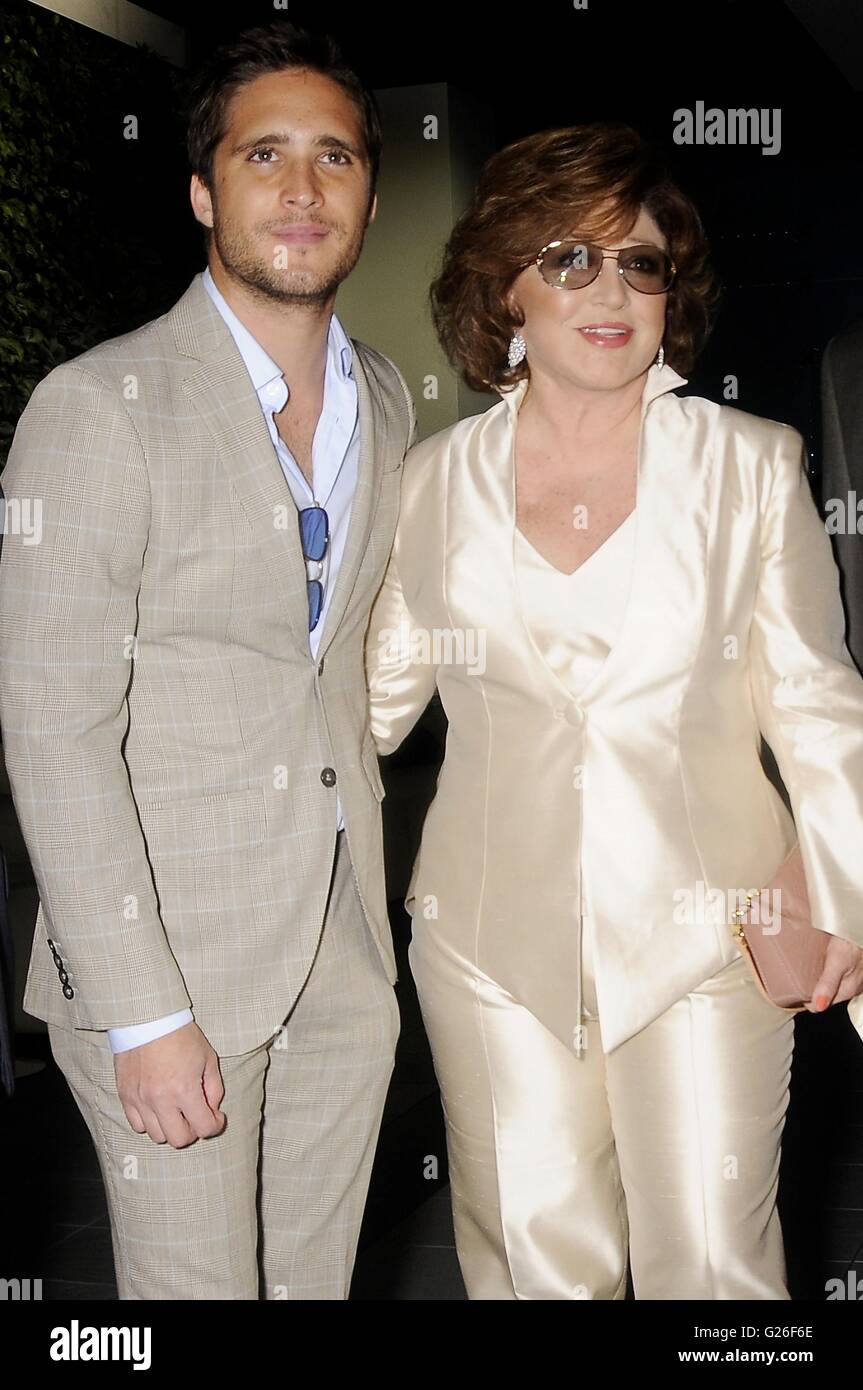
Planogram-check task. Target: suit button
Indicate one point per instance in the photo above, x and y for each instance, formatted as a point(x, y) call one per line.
point(321, 667)
point(68, 991)
point(328, 777)
point(574, 715)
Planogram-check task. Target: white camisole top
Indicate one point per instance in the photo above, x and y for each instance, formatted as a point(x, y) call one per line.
point(575, 618)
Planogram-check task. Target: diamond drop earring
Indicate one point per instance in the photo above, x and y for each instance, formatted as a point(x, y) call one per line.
point(517, 350)
point(660, 356)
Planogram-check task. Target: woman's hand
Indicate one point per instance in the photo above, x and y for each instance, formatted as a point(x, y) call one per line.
point(842, 976)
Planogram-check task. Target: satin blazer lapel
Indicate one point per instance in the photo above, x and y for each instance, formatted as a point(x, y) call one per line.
point(668, 576)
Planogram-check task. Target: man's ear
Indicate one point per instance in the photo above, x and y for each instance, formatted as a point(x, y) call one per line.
point(373, 211)
point(202, 203)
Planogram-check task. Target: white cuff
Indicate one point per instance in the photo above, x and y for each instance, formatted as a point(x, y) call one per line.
point(122, 1039)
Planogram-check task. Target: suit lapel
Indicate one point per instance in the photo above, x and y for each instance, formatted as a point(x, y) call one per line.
point(220, 390)
point(669, 564)
point(372, 423)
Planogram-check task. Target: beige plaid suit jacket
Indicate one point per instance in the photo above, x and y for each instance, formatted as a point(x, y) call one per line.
point(170, 741)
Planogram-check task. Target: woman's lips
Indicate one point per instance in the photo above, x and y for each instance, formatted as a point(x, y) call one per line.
point(606, 336)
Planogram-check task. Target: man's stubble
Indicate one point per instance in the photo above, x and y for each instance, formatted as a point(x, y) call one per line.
point(238, 254)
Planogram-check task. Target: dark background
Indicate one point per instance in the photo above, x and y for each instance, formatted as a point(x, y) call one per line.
point(96, 237)
point(784, 228)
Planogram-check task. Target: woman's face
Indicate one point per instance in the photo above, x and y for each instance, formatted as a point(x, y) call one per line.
point(555, 320)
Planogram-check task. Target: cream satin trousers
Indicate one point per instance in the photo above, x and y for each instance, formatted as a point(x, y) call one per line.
point(666, 1149)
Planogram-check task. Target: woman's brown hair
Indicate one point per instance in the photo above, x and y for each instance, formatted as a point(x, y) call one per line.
point(591, 181)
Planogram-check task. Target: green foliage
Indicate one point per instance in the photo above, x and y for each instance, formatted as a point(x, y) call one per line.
point(95, 232)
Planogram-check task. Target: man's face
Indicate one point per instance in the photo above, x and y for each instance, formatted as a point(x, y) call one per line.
point(289, 201)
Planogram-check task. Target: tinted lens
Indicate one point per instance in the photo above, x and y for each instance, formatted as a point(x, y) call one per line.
point(571, 265)
point(316, 601)
point(314, 530)
point(646, 268)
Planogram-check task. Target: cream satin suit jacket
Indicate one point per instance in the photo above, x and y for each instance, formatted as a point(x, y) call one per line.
point(649, 786)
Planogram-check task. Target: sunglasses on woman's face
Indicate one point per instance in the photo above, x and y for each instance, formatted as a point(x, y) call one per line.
point(574, 264)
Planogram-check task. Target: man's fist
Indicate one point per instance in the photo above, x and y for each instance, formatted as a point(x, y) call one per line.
point(171, 1088)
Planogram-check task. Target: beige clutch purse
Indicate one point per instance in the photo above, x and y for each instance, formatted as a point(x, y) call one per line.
point(784, 950)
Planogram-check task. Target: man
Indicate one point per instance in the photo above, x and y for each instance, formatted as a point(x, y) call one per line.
point(842, 471)
point(184, 709)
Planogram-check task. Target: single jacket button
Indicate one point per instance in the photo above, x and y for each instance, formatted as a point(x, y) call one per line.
point(328, 777)
point(321, 667)
point(574, 715)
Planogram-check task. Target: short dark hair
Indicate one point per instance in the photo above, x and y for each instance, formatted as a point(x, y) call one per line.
point(273, 47)
point(554, 184)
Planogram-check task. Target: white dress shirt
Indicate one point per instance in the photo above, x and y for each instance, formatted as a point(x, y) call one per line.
point(335, 462)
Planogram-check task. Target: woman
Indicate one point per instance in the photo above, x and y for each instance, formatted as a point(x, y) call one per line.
point(614, 589)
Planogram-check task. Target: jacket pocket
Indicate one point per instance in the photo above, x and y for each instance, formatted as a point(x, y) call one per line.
point(192, 828)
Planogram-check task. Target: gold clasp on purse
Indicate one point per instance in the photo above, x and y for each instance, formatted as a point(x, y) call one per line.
point(740, 912)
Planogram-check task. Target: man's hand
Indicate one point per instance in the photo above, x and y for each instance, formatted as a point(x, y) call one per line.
point(171, 1088)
